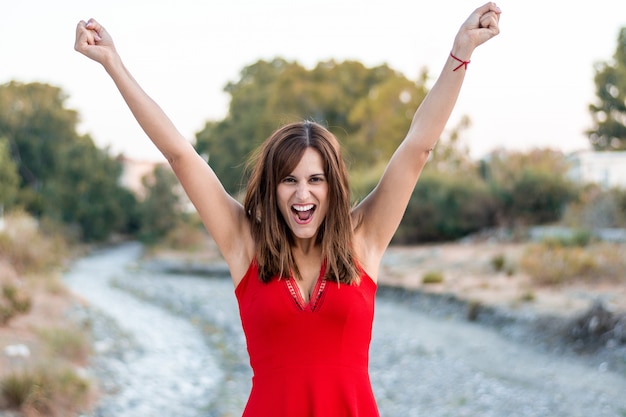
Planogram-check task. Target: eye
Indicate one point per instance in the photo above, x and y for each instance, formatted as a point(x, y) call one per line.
point(288, 180)
point(316, 179)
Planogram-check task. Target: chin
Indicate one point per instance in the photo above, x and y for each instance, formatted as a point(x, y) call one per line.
point(304, 234)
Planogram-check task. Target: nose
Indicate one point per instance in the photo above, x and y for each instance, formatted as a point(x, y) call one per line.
point(302, 191)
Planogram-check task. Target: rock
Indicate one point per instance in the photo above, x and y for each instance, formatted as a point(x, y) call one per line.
point(597, 327)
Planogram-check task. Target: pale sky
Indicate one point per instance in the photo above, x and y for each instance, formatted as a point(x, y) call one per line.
point(528, 87)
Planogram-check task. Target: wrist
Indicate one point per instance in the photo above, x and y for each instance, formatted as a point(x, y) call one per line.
point(111, 62)
point(462, 48)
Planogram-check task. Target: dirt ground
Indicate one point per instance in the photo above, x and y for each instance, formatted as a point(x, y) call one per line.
point(21, 347)
point(468, 273)
point(466, 269)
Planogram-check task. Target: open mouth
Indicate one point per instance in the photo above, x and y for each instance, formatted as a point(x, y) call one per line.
point(303, 212)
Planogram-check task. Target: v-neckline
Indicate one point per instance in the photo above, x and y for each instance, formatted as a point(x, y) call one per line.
point(316, 294)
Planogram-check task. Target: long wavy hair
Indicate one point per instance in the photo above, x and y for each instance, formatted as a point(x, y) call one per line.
point(275, 160)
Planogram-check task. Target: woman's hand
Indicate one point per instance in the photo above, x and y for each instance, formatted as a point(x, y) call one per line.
point(93, 41)
point(481, 26)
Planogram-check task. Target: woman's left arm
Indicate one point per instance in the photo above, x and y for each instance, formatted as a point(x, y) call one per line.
point(382, 211)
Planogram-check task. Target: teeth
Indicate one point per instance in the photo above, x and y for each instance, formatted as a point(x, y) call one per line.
point(303, 208)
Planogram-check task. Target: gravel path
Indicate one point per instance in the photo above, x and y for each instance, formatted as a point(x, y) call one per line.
point(172, 345)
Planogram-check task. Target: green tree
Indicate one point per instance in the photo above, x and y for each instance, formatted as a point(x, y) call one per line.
point(341, 96)
point(381, 119)
point(445, 207)
point(62, 175)
point(85, 192)
point(160, 211)
point(609, 113)
point(36, 123)
point(9, 178)
point(531, 187)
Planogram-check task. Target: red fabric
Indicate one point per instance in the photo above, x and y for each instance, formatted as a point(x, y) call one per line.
point(308, 360)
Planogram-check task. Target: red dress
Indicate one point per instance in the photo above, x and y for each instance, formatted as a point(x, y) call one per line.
point(308, 359)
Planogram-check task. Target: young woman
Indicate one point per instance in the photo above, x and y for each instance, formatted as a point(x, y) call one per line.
point(303, 262)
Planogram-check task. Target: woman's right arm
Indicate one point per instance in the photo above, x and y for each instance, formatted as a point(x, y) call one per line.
point(221, 214)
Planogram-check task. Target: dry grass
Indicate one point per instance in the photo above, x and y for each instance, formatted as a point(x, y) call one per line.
point(555, 264)
point(69, 343)
point(26, 249)
point(44, 379)
point(45, 391)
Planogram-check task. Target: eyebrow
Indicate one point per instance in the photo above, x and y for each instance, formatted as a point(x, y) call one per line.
point(321, 174)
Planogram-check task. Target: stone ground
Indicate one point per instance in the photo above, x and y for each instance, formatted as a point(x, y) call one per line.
point(468, 275)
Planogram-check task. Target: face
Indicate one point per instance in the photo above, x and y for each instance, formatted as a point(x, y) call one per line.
point(303, 196)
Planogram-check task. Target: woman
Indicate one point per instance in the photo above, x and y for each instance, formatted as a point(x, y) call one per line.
point(303, 262)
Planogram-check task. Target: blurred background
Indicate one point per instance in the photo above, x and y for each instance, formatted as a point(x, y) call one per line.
point(530, 172)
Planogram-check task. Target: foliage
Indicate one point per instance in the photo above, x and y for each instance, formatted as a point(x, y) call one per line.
point(68, 343)
point(446, 207)
point(26, 248)
point(530, 188)
point(609, 113)
point(12, 303)
point(498, 262)
point(368, 109)
point(186, 236)
point(9, 179)
point(451, 155)
point(597, 208)
point(62, 175)
point(47, 390)
point(159, 211)
point(432, 277)
point(553, 263)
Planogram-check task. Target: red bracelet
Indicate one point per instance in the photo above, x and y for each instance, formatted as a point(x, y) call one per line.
point(463, 63)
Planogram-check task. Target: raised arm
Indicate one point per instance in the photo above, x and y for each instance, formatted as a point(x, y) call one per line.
point(383, 209)
point(221, 214)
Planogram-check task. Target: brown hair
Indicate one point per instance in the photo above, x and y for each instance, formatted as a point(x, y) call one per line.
point(275, 160)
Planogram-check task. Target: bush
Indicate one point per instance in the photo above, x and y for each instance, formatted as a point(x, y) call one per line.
point(186, 236)
point(45, 391)
point(498, 262)
point(26, 248)
point(444, 208)
point(597, 208)
point(576, 239)
point(70, 344)
point(432, 277)
point(12, 303)
point(553, 263)
point(534, 198)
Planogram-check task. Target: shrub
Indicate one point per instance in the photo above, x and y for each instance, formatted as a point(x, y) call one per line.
point(46, 391)
point(185, 236)
point(432, 277)
point(578, 238)
point(446, 207)
point(498, 262)
point(70, 344)
point(12, 303)
point(597, 208)
point(550, 263)
point(27, 249)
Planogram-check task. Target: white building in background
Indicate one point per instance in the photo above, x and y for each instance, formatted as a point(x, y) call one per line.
point(133, 173)
point(607, 169)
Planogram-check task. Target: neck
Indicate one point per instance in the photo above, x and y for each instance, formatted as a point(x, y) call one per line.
point(306, 246)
